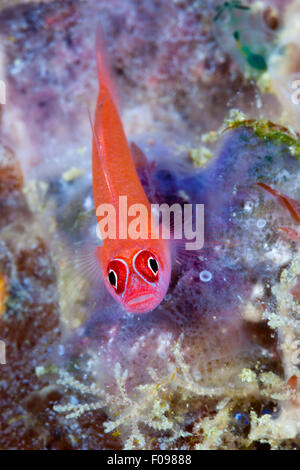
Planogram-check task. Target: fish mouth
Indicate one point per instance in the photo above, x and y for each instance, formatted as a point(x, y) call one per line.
point(140, 299)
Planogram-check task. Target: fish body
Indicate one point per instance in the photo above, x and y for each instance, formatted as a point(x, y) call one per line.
point(136, 271)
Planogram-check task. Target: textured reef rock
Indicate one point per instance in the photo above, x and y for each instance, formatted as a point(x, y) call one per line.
point(171, 74)
point(29, 324)
point(212, 346)
point(215, 365)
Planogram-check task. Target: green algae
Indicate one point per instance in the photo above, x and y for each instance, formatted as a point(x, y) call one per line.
point(267, 130)
point(263, 128)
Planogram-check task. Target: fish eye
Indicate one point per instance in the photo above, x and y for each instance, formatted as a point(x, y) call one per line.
point(117, 274)
point(153, 265)
point(112, 277)
point(146, 265)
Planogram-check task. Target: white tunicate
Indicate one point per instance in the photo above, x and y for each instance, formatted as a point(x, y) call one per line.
point(248, 206)
point(88, 203)
point(261, 223)
point(205, 276)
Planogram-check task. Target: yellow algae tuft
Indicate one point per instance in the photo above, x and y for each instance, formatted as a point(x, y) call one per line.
point(200, 156)
point(213, 429)
point(158, 406)
point(248, 375)
point(72, 174)
point(15, 419)
point(264, 83)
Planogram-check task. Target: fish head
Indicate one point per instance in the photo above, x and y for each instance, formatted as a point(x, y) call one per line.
point(138, 276)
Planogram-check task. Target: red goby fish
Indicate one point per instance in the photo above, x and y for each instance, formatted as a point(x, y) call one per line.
point(136, 271)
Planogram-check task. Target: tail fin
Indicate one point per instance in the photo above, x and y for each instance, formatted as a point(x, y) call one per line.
point(104, 67)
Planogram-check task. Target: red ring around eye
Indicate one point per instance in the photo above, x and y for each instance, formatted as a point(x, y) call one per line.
point(146, 265)
point(117, 273)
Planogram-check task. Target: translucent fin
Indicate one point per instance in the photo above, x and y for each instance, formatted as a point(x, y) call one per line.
point(138, 155)
point(286, 202)
point(80, 281)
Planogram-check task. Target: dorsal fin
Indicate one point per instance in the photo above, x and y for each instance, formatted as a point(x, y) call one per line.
point(138, 156)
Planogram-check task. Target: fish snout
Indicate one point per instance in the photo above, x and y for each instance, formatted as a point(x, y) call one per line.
point(140, 297)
